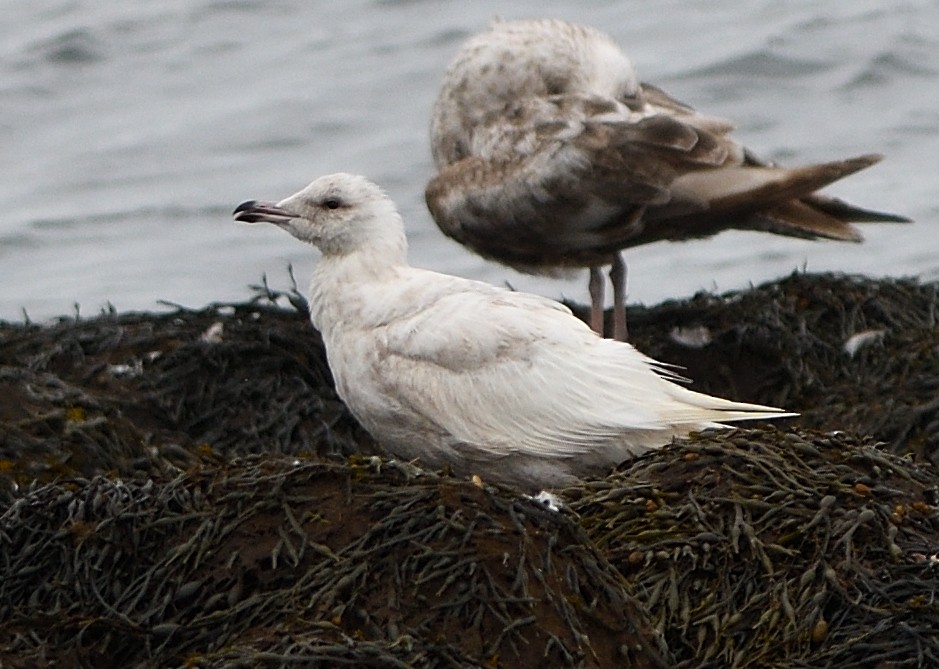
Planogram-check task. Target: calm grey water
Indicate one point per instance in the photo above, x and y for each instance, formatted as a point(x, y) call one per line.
point(128, 132)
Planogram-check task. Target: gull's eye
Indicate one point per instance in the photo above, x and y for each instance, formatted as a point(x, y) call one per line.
point(331, 203)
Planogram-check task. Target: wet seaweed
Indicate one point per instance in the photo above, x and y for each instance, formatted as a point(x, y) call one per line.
point(135, 532)
point(751, 546)
point(155, 393)
point(848, 353)
point(268, 562)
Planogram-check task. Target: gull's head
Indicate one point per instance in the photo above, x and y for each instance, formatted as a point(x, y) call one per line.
point(339, 214)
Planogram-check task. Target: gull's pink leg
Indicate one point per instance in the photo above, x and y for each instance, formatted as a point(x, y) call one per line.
point(596, 300)
point(618, 279)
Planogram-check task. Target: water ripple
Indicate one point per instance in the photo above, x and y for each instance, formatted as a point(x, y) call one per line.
point(759, 64)
point(73, 47)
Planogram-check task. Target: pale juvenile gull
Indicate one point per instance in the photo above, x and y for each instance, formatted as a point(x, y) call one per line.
point(552, 155)
point(509, 386)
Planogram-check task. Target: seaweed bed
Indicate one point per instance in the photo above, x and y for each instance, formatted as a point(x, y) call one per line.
point(186, 490)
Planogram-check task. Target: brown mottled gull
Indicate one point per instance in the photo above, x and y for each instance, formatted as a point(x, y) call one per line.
point(449, 371)
point(552, 155)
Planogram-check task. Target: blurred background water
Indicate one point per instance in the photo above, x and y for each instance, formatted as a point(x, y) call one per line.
point(129, 131)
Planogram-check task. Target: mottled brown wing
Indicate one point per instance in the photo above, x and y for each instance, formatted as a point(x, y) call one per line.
point(567, 190)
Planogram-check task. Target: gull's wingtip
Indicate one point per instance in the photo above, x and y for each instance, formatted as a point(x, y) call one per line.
point(867, 159)
point(765, 413)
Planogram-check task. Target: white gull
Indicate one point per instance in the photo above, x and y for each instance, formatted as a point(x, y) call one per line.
point(552, 155)
point(460, 373)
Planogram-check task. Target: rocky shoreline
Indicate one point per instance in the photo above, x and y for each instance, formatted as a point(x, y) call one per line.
point(186, 489)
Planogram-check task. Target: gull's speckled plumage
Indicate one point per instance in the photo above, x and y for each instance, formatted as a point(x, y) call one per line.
point(449, 371)
point(552, 155)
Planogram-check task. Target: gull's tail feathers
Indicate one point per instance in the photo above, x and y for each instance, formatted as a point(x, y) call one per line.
point(783, 200)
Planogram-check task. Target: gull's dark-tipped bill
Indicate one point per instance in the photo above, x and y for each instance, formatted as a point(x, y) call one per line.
point(254, 211)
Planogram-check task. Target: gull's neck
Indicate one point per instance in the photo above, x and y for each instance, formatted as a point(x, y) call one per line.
point(363, 266)
point(342, 283)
